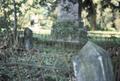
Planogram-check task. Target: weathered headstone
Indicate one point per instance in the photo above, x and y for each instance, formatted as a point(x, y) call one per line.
point(28, 36)
point(69, 27)
point(92, 64)
point(67, 10)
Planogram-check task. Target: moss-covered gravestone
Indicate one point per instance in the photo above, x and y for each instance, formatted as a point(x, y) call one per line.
point(68, 26)
point(28, 39)
point(92, 64)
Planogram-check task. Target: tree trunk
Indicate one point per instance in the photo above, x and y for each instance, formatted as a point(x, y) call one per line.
point(93, 14)
point(80, 9)
point(15, 21)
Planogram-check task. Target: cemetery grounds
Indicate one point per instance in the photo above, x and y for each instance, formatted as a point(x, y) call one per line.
point(50, 60)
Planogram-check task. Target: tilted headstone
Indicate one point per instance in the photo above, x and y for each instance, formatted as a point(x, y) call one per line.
point(92, 64)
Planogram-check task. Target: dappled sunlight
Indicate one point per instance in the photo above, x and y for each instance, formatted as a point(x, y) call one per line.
point(104, 34)
point(37, 30)
point(65, 40)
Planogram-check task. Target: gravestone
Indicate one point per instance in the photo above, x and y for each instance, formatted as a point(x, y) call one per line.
point(28, 36)
point(67, 10)
point(92, 64)
point(69, 27)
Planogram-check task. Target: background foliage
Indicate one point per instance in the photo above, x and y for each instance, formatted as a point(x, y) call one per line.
point(106, 13)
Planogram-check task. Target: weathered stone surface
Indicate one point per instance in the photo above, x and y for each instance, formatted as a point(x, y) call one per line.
point(92, 64)
point(28, 38)
point(67, 10)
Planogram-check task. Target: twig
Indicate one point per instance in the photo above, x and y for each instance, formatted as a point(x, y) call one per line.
point(28, 65)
